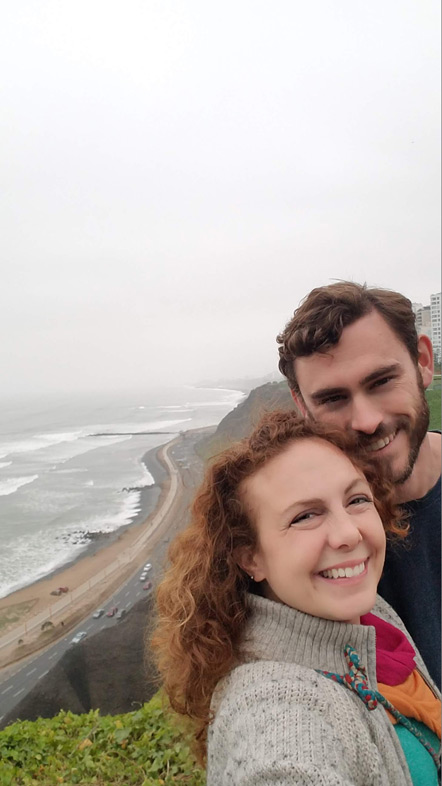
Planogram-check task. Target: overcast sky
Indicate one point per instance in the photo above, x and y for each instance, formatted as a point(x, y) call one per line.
point(176, 175)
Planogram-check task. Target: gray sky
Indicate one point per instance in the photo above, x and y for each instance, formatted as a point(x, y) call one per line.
point(177, 174)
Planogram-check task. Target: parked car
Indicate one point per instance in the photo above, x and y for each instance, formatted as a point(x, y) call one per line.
point(112, 611)
point(121, 614)
point(79, 636)
point(143, 577)
point(98, 613)
point(147, 566)
point(147, 585)
point(60, 590)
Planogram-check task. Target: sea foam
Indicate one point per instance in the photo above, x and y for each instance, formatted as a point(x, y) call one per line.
point(11, 485)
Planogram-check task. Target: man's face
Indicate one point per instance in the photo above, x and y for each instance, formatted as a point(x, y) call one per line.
point(369, 384)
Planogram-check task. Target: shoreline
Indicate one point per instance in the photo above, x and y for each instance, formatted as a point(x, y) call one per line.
point(21, 606)
point(149, 501)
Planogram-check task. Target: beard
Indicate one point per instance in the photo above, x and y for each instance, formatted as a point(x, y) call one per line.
point(415, 427)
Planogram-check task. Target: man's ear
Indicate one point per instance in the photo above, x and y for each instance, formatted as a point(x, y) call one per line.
point(299, 403)
point(250, 562)
point(425, 359)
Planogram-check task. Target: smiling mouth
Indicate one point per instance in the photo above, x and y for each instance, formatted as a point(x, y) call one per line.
point(380, 443)
point(344, 573)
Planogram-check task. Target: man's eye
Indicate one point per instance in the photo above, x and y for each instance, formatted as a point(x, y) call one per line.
point(337, 398)
point(383, 381)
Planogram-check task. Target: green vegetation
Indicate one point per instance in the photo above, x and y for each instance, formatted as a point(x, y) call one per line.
point(434, 400)
point(149, 747)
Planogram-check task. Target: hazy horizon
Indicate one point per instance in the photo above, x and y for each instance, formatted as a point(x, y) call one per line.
point(177, 177)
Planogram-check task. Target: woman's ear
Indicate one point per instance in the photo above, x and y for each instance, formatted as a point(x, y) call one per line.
point(425, 359)
point(251, 562)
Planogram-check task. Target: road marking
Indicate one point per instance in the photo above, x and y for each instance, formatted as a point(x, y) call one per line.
point(18, 692)
point(138, 593)
point(31, 672)
point(6, 689)
point(51, 656)
point(44, 674)
point(127, 593)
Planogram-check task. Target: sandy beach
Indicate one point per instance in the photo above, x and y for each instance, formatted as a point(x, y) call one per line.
point(22, 606)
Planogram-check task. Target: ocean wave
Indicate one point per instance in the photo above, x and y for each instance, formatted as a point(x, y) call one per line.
point(38, 442)
point(25, 560)
point(5, 464)
point(11, 485)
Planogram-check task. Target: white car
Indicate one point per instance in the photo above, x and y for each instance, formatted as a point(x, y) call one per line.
point(143, 577)
point(79, 636)
point(97, 614)
point(147, 567)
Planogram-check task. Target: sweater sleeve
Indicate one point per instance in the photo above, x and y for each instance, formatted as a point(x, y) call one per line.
point(281, 729)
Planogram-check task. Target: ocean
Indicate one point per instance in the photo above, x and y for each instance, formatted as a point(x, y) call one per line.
point(68, 473)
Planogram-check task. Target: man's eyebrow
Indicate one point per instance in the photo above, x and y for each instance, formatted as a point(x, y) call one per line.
point(323, 393)
point(384, 371)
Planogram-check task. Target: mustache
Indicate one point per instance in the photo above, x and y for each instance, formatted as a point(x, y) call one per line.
point(382, 431)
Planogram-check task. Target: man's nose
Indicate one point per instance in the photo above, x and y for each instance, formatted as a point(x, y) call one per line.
point(365, 417)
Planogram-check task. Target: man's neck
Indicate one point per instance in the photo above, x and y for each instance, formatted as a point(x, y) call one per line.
point(426, 470)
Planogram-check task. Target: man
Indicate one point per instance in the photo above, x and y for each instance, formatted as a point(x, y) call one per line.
point(352, 358)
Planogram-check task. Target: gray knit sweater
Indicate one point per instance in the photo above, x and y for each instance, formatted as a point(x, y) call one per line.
point(279, 722)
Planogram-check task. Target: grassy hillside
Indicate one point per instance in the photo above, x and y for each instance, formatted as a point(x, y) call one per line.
point(149, 747)
point(434, 400)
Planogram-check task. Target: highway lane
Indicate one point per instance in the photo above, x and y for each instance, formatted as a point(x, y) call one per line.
point(22, 679)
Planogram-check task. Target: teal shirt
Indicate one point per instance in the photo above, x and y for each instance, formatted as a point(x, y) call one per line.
point(423, 771)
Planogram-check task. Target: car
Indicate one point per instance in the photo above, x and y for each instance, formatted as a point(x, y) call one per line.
point(143, 577)
point(121, 614)
point(79, 636)
point(98, 613)
point(147, 585)
point(112, 611)
point(147, 567)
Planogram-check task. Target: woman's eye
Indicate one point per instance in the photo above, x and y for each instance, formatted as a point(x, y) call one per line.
point(302, 518)
point(360, 499)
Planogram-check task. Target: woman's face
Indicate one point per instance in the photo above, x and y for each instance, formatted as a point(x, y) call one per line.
point(321, 543)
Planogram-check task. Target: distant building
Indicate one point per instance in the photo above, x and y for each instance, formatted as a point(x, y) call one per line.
point(423, 321)
point(435, 325)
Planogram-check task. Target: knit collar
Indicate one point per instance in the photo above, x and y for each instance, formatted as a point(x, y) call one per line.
point(278, 632)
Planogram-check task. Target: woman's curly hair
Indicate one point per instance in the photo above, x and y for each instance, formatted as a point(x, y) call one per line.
point(202, 602)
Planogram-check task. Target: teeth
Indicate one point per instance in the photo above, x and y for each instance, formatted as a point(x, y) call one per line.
point(380, 443)
point(340, 573)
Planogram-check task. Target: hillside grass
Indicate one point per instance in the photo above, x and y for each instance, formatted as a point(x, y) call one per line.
point(434, 400)
point(149, 747)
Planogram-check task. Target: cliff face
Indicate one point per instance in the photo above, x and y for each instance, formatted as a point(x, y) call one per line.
point(240, 421)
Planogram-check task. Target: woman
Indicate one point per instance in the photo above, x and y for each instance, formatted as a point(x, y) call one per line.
point(270, 634)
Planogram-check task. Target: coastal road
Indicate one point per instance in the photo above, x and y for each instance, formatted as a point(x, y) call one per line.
point(17, 681)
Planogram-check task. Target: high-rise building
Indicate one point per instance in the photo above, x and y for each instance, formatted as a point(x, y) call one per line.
point(423, 321)
point(435, 325)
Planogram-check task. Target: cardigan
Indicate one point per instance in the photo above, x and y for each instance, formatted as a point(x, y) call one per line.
point(277, 721)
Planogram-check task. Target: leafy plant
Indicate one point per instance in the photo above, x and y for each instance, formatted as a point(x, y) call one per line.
point(149, 747)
